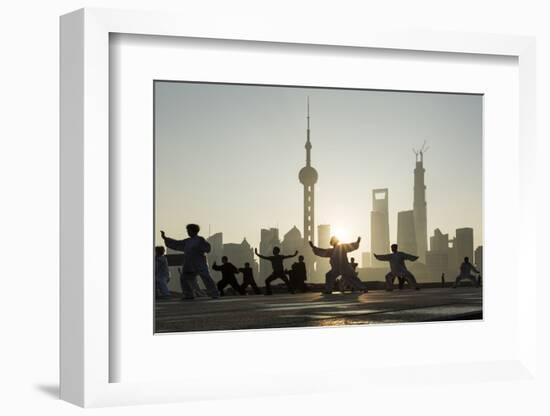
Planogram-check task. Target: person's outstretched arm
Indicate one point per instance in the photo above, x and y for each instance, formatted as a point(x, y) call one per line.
point(410, 257)
point(321, 252)
point(178, 245)
point(382, 257)
point(351, 246)
point(259, 255)
point(216, 267)
point(291, 255)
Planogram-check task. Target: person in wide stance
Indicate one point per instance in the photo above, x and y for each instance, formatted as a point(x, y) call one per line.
point(194, 263)
point(466, 269)
point(248, 279)
point(228, 276)
point(339, 264)
point(397, 267)
point(278, 269)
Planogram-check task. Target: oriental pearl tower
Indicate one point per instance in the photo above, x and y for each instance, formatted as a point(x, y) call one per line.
point(308, 177)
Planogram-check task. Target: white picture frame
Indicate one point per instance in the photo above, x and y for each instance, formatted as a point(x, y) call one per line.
point(85, 350)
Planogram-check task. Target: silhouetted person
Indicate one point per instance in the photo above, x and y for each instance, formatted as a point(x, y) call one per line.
point(466, 269)
point(353, 264)
point(228, 276)
point(442, 279)
point(298, 275)
point(339, 264)
point(162, 274)
point(248, 279)
point(397, 266)
point(194, 251)
point(278, 269)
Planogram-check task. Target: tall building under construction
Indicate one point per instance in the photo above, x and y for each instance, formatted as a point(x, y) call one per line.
point(419, 206)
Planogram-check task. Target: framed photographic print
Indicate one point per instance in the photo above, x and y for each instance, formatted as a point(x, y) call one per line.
point(283, 202)
point(296, 200)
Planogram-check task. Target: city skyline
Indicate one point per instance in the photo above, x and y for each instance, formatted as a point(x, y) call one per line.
point(349, 214)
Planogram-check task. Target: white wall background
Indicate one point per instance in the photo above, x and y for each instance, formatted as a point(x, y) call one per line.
point(29, 208)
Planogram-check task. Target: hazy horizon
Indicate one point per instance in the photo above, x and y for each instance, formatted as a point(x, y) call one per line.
point(228, 156)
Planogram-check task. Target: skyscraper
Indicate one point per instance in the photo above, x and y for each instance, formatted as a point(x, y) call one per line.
point(379, 224)
point(308, 178)
point(406, 236)
point(464, 244)
point(419, 206)
point(478, 258)
point(437, 258)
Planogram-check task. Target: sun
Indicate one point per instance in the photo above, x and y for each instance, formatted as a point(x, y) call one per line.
point(341, 233)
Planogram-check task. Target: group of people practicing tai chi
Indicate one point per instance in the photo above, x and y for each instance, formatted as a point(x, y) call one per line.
point(195, 248)
point(296, 282)
point(195, 264)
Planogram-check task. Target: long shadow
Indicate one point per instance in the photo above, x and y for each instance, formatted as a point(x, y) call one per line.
point(51, 390)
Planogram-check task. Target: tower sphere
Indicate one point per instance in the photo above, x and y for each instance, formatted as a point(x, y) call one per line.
point(308, 175)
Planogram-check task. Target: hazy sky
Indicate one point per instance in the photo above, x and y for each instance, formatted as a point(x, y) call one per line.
point(228, 156)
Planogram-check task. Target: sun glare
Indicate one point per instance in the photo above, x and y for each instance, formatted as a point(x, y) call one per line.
point(342, 234)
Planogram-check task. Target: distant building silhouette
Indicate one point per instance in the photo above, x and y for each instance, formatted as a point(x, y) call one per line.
point(437, 258)
point(241, 253)
point(464, 245)
point(419, 206)
point(439, 241)
point(322, 264)
point(379, 224)
point(308, 178)
point(292, 241)
point(453, 262)
point(478, 258)
point(447, 254)
point(366, 259)
point(269, 238)
point(406, 235)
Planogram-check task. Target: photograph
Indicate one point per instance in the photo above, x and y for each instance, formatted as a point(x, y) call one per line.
point(294, 206)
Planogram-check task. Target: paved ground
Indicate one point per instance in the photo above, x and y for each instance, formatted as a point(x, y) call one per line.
point(315, 309)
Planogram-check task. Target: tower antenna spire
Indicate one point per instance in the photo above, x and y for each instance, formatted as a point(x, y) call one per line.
point(308, 117)
point(308, 142)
